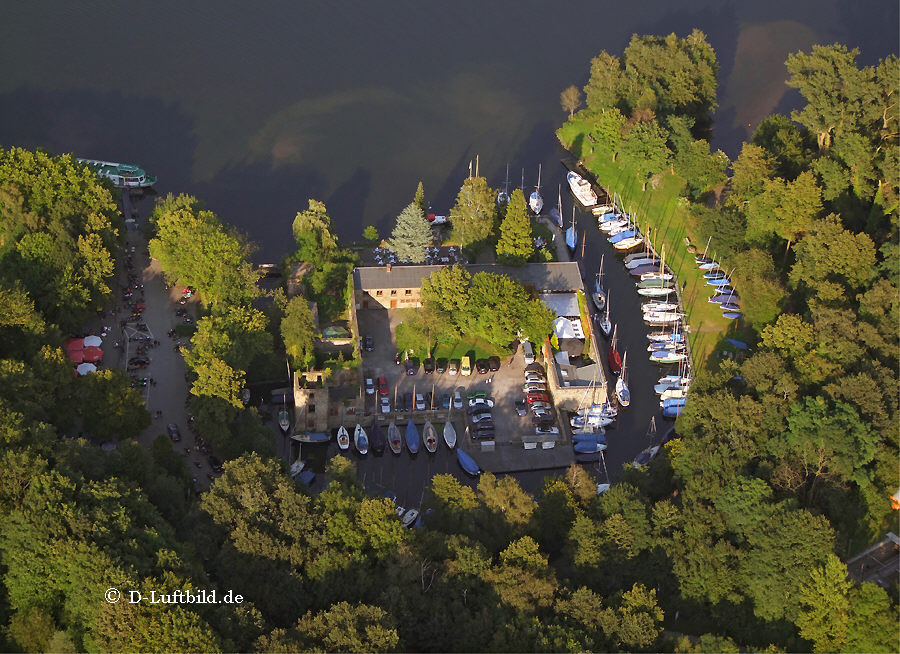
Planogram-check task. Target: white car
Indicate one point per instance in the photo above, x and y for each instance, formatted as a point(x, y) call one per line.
point(481, 401)
point(420, 402)
point(540, 406)
point(534, 377)
point(457, 399)
point(370, 386)
point(385, 405)
point(546, 430)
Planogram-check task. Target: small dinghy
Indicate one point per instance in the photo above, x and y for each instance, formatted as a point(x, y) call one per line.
point(379, 442)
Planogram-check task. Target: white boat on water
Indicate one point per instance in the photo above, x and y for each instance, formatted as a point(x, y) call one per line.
point(581, 189)
point(666, 356)
point(360, 439)
point(610, 225)
point(121, 175)
point(605, 323)
point(535, 201)
point(429, 437)
point(395, 441)
point(655, 292)
point(628, 243)
point(449, 434)
point(599, 293)
point(652, 305)
point(601, 209)
point(661, 317)
point(622, 392)
point(656, 275)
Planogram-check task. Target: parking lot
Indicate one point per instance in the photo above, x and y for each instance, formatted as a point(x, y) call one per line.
point(503, 385)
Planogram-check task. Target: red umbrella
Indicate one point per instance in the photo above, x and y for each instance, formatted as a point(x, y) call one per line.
point(75, 355)
point(93, 354)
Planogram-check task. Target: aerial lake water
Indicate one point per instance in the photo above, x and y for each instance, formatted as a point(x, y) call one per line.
point(254, 108)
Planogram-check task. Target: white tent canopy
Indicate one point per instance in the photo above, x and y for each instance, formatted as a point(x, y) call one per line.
point(85, 368)
point(93, 341)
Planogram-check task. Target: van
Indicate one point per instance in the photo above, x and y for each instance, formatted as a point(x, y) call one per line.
point(528, 351)
point(465, 367)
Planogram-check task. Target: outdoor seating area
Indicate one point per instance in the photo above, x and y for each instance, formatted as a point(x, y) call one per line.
point(434, 255)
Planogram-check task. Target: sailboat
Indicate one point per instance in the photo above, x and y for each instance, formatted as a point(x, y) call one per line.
point(467, 463)
point(590, 447)
point(622, 392)
point(571, 234)
point(360, 439)
point(612, 356)
point(412, 437)
point(535, 201)
point(556, 212)
point(284, 416)
point(605, 324)
point(394, 439)
point(343, 438)
point(378, 440)
point(599, 294)
point(449, 434)
point(429, 436)
point(659, 305)
point(503, 196)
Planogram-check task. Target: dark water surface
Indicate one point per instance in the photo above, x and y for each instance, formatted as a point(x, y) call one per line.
point(256, 107)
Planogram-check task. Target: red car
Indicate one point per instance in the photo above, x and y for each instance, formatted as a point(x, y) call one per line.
point(382, 386)
point(537, 397)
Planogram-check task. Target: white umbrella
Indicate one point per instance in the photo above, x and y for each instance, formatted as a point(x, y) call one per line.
point(85, 368)
point(93, 341)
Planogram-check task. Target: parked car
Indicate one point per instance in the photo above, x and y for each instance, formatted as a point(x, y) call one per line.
point(370, 386)
point(481, 365)
point(382, 386)
point(485, 433)
point(546, 430)
point(481, 401)
point(368, 343)
point(534, 387)
point(465, 367)
point(428, 365)
point(445, 400)
point(541, 406)
point(478, 407)
point(411, 367)
point(483, 415)
point(494, 364)
point(521, 407)
point(138, 362)
point(457, 398)
point(420, 402)
point(407, 403)
point(537, 396)
point(453, 368)
point(174, 434)
point(441, 366)
point(542, 417)
point(385, 405)
point(534, 377)
point(477, 395)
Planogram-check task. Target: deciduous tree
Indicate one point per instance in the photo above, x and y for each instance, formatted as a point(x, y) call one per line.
point(474, 213)
point(570, 99)
point(298, 331)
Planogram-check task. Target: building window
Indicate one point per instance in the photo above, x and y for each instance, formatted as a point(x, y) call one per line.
point(393, 293)
point(379, 293)
point(311, 408)
point(408, 292)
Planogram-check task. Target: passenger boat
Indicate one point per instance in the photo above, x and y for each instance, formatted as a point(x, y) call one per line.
point(360, 439)
point(121, 175)
point(449, 434)
point(622, 392)
point(467, 463)
point(394, 440)
point(429, 437)
point(412, 437)
point(343, 438)
point(379, 442)
point(581, 189)
point(535, 201)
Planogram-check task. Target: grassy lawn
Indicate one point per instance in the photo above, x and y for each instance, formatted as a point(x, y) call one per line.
point(664, 213)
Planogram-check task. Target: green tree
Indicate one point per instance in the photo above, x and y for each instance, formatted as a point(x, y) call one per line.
point(785, 143)
point(370, 233)
point(298, 331)
point(215, 378)
point(644, 149)
point(636, 621)
point(419, 199)
point(762, 294)
point(412, 234)
point(784, 209)
point(314, 234)
point(344, 627)
point(515, 245)
point(474, 213)
point(606, 83)
point(448, 290)
point(751, 170)
point(825, 606)
point(235, 334)
point(570, 99)
point(113, 409)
